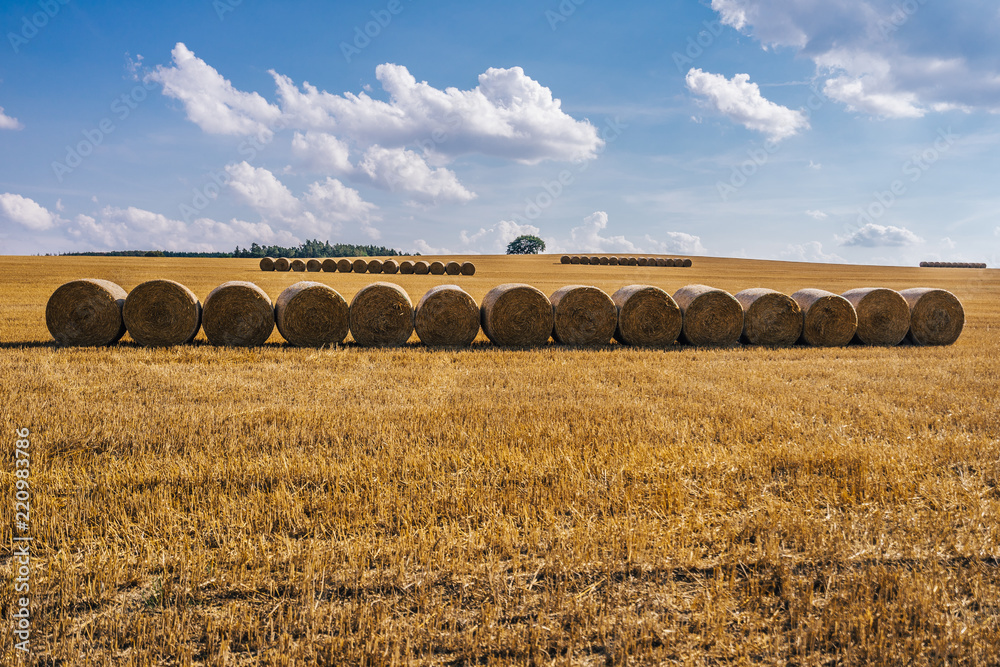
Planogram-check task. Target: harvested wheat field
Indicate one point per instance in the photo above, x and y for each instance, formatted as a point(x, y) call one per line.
point(202, 505)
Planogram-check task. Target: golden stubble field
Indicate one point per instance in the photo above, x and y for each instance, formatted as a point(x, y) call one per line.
point(197, 505)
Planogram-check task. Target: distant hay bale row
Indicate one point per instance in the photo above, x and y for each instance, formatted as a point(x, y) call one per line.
point(604, 260)
point(954, 265)
point(363, 265)
point(311, 314)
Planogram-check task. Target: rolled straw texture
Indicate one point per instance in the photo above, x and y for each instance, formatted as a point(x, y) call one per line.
point(162, 312)
point(516, 315)
point(769, 317)
point(647, 316)
point(446, 316)
point(381, 316)
point(86, 313)
point(828, 319)
point(583, 315)
point(936, 316)
point(311, 314)
point(883, 315)
point(237, 313)
point(712, 317)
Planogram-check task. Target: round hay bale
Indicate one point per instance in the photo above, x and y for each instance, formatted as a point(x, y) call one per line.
point(936, 316)
point(86, 313)
point(406, 266)
point(314, 266)
point(565, 259)
point(375, 266)
point(595, 261)
point(360, 265)
point(612, 261)
point(345, 266)
point(162, 312)
point(585, 260)
point(282, 264)
point(381, 316)
point(642, 261)
point(453, 268)
point(468, 269)
point(421, 268)
point(712, 317)
point(437, 268)
point(630, 261)
point(516, 315)
point(446, 316)
point(311, 314)
point(237, 313)
point(267, 264)
point(583, 316)
point(828, 319)
point(647, 316)
point(390, 266)
point(329, 266)
point(575, 259)
point(298, 265)
point(883, 315)
point(604, 261)
point(769, 317)
point(685, 263)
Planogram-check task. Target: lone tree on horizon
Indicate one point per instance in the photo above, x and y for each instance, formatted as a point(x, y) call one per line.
point(525, 244)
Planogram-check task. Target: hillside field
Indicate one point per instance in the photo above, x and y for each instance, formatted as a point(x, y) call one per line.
point(280, 506)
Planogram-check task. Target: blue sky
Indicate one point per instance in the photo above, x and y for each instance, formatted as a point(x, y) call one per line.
point(860, 131)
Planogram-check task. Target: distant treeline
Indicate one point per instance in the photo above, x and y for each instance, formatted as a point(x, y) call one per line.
point(311, 248)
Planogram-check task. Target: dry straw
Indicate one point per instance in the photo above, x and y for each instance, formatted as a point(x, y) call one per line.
point(437, 268)
point(446, 316)
point(642, 261)
point(769, 317)
point(282, 264)
point(612, 261)
point(238, 313)
point(647, 316)
point(360, 266)
point(604, 261)
point(684, 262)
point(453, 268)
point(630, 261)
point(345, 266)
point(828, 319)
point(516, 315)
point(565, 259)
point(298, 265)
point(375, 266)
point(86, 313)
point(712, 317)
point(329, 266)
point(583, 316)
point(314, 266)
point(468, 269)
point(381, 316)
point(406, 266)
point(162, 312)
point(584, 260)
point(390, 266)
point(883, 315)
point(311, 314)
point(936, 316)
point(421, 268)
point(267, 264)
point(594, 261)
point(668, 262)
point(575, 259)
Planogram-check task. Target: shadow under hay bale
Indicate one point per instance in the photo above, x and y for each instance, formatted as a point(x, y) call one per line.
point(712, 317)
point(446, 316)
point(406, 266)
point(298, 265)
point(162, 312)
point(390, 266)
point(647, 316)
point(344, 266)
point(453, 268)
point(769, 317)
point(314, 266)
point(381, 316)
point(239, 314)
point(583, 316)
point(282, 264)
point(311, 314)
point(828, 319)
point(86, 313)
point(516, 315)
point(267, 264)
point(883, 315)
point(468, 269)
point(936, 316)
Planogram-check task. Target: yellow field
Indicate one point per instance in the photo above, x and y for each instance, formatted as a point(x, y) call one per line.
point(197, 505)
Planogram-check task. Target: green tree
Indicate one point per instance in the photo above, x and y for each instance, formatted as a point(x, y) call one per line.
point(525, 244)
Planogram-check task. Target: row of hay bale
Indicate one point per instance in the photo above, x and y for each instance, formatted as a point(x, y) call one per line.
point(312, 314)
point(604, 260)
point(954, 265)
point(363, 265)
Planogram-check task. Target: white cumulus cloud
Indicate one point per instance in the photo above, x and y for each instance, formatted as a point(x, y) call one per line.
point(322, 152)
point(874, 235)
point(817, 215)
point(8, 123)
point(18, 210)
point(741, 102)
point(398, 169)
